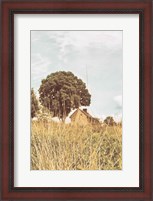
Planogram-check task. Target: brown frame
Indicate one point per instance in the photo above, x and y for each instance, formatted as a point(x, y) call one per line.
point(11, 7)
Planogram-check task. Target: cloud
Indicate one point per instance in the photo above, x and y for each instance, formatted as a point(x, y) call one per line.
point(82, 41)
point(118, 100)
point(39, 69)
point(95, 56)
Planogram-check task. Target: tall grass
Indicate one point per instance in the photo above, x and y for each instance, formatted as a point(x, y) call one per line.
point(59, 146)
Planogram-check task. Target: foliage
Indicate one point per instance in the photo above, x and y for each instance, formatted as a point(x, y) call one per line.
point(34, 104)
point(44, 114)
point(109, 121)
point(62, 91)
point(60, 146)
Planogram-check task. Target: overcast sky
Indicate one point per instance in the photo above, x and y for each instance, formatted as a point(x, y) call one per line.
point(93, 56)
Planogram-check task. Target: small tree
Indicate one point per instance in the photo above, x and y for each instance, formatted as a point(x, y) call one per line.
point(62, 91)
point(109, 121)
point(34, 104)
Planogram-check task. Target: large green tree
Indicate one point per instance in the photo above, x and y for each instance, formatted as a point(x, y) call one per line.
point(62, 91)
point(34, 104)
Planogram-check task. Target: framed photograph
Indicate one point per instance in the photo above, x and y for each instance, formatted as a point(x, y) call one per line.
point(76, 100)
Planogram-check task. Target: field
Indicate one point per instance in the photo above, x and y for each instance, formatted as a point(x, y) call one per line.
point(59, 146)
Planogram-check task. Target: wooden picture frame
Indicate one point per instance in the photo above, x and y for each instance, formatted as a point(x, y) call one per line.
point(9, 9)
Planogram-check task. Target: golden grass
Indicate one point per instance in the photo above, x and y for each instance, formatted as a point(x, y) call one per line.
point(59, 146)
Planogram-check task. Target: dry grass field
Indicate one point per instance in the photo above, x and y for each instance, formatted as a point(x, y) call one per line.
point(59, 146)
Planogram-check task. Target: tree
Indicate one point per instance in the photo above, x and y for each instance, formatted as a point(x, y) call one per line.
point(62, 91)
point(110, 121)
point(34, 104)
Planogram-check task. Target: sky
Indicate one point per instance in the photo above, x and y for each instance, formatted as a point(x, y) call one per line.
point(93, 56)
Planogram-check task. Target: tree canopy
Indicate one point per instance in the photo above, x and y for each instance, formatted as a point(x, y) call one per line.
point(34, 104)
point(62, 91)
point(109, 121)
